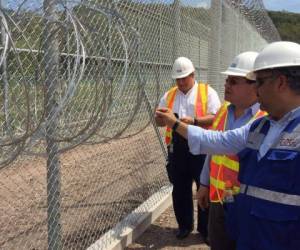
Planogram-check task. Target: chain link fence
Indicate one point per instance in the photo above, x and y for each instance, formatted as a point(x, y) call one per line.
point(78, 86)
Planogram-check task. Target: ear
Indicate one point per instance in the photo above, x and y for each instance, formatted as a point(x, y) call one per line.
point(282, 83)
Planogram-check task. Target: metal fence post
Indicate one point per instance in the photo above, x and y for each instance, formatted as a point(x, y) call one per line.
point(176, 7)
point(3, 71)
point(215, 44)
point(51, 64)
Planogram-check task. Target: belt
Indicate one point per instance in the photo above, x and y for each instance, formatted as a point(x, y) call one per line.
point(265, 194)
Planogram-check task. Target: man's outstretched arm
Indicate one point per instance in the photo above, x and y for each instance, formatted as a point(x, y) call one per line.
point(202, 141)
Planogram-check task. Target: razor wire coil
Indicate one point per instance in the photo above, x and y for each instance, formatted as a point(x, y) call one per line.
point(79, 82)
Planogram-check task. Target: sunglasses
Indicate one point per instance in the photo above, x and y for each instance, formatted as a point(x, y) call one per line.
point(235, 81)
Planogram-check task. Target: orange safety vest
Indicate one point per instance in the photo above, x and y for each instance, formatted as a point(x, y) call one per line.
point(224, 168)
point(200, 105)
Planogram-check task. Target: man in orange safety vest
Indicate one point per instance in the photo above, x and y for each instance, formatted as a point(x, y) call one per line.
point(194, 103)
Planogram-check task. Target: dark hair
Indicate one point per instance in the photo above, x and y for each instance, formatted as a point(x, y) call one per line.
point(250, 81)
point(293, 76)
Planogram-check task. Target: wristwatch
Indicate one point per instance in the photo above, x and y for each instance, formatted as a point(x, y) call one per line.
point(176, 124)
point(195, 122)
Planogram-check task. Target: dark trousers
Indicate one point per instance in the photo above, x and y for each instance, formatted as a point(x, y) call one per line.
point(219, 239)
point(184, 169)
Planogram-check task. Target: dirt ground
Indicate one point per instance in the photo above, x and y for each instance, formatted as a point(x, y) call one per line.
point(99, 185)
point(161, 235)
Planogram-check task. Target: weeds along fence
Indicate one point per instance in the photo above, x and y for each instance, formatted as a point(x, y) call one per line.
point(79, 82)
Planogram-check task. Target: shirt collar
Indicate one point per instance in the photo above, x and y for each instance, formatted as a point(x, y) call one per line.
point(251, 110)
point(287, 117)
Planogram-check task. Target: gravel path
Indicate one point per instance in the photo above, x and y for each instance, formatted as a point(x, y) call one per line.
point(161, 235)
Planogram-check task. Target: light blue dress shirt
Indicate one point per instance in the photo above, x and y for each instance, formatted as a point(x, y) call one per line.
point(203, 141)
point(231, 123)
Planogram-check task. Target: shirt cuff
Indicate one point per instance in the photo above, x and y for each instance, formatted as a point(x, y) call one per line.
point(204, 176)
point(204, 185)
point(193, 135)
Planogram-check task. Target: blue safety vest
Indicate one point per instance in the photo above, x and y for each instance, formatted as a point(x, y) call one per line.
point(266, 213)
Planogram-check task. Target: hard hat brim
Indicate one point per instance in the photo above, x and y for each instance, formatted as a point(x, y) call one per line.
point(232, 73)
point(179, 76)
point(235, 72)
point(251, 76)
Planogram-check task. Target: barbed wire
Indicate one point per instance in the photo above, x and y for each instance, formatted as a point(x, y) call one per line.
point(88, 74)
point(79, 61)
point(101, 106)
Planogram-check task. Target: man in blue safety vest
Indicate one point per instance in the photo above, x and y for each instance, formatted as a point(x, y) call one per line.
point(267, 210)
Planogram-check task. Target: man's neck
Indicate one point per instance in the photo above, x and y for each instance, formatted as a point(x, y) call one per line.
point(240, 110)
point(286, 107)
point(187, 91)
point(283, 111)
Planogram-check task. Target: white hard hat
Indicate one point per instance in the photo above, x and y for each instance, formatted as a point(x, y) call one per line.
point(276, 55)
point(182, 67)
point(242, 64)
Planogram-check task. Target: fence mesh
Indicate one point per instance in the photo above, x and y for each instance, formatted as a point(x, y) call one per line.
point(78, 86)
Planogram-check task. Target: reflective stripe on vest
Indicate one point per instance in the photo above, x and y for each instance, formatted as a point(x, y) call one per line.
point(201, 100)
point(220, 118)
point(200, 105)
point(273, 196)
point(224, 167)
point(217, 187)
point(170, 102)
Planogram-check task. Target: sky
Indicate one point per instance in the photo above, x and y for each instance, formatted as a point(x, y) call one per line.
point(288, 5)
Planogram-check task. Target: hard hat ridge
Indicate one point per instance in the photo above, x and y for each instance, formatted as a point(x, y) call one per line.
point(242, 64)
point(277, 55)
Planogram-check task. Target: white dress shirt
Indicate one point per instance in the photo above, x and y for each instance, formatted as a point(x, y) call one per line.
point(184, 104)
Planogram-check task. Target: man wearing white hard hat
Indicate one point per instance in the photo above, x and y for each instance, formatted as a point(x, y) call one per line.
point(267, 208)
point(194, 103)
point(240, 108)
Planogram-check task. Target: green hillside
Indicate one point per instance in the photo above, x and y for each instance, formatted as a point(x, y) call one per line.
point(288, 25)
